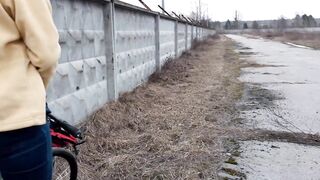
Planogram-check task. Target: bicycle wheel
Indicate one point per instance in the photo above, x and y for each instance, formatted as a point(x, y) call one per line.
point(65, 165)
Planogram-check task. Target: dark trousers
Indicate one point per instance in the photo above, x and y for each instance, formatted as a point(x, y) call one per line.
point(26, 154)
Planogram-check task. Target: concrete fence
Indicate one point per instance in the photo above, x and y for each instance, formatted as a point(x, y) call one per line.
point(109, 48)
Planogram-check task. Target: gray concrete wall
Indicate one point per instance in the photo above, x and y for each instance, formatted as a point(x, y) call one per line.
point(135, 47)
point(181, 38)
point(81, 73)
point(108, 49)
point(167, 40)
point(189, 36)
point(194, 34)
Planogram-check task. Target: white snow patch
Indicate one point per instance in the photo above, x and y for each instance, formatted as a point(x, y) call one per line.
point(298, 46)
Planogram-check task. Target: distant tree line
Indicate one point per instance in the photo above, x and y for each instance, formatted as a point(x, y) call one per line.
point(304, 21)
point(235, 25)
point(232, 25)
point(282, 23)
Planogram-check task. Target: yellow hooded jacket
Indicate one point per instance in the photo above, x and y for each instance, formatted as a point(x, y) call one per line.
point(29, 52)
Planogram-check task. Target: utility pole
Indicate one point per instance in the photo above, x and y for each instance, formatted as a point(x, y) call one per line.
point(236, 16)
point(236, 20)
point(200, 10)
point(163, 5)
point(207, 15)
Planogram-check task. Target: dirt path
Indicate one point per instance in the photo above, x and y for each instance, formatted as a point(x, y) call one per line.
point(174, 126)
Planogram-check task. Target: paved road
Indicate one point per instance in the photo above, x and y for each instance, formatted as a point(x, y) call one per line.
point(282, 93)
point(291, 76)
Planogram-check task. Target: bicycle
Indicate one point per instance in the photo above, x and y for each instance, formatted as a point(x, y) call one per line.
point(65, 139)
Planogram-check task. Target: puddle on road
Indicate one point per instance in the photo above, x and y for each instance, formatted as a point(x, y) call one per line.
point(245, 53)
point(256, 97)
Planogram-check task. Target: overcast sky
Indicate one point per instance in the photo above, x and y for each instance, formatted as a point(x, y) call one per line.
point(249, 9)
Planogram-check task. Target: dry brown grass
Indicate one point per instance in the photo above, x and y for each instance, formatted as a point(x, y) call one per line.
point(310, 39)
point(170, 128)
point(307, 39)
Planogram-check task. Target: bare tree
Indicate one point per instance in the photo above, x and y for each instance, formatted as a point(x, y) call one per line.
point(297, 21)
point(282, 24)
point(193, 15)
point(201, 14)
point(236, 21)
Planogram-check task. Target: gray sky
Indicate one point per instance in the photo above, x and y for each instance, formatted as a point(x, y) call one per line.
point(249, 9)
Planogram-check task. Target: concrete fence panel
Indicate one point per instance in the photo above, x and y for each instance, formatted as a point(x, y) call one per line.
point(167, 37)
point(189, 36)
point(181, 38)
point(194, 33)
point(135, 47)
point(81, 73)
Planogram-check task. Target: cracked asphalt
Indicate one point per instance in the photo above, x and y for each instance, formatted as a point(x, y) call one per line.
point(281, 96)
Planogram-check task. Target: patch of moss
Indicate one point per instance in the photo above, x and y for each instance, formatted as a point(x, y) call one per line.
point(231, 160)
point(233, 172)
point(236, 153)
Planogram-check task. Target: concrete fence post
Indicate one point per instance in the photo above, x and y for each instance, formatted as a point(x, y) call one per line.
point(176, 34)
point(196, 32)
point(186, 37)
point(109, 27)
point(157, 42)
point(191, 35)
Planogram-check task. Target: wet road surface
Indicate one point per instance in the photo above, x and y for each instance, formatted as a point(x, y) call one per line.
point(282, 93)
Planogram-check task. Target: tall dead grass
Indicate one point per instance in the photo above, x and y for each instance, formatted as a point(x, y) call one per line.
point(311, 39)
point(150, 133)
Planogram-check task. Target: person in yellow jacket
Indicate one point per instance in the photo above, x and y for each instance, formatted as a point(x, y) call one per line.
point(29, 52)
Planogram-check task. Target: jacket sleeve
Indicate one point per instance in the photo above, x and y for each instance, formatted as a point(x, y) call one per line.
point(34, 21)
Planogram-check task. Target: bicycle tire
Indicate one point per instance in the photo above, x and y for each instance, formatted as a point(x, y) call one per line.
point(70, 158)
